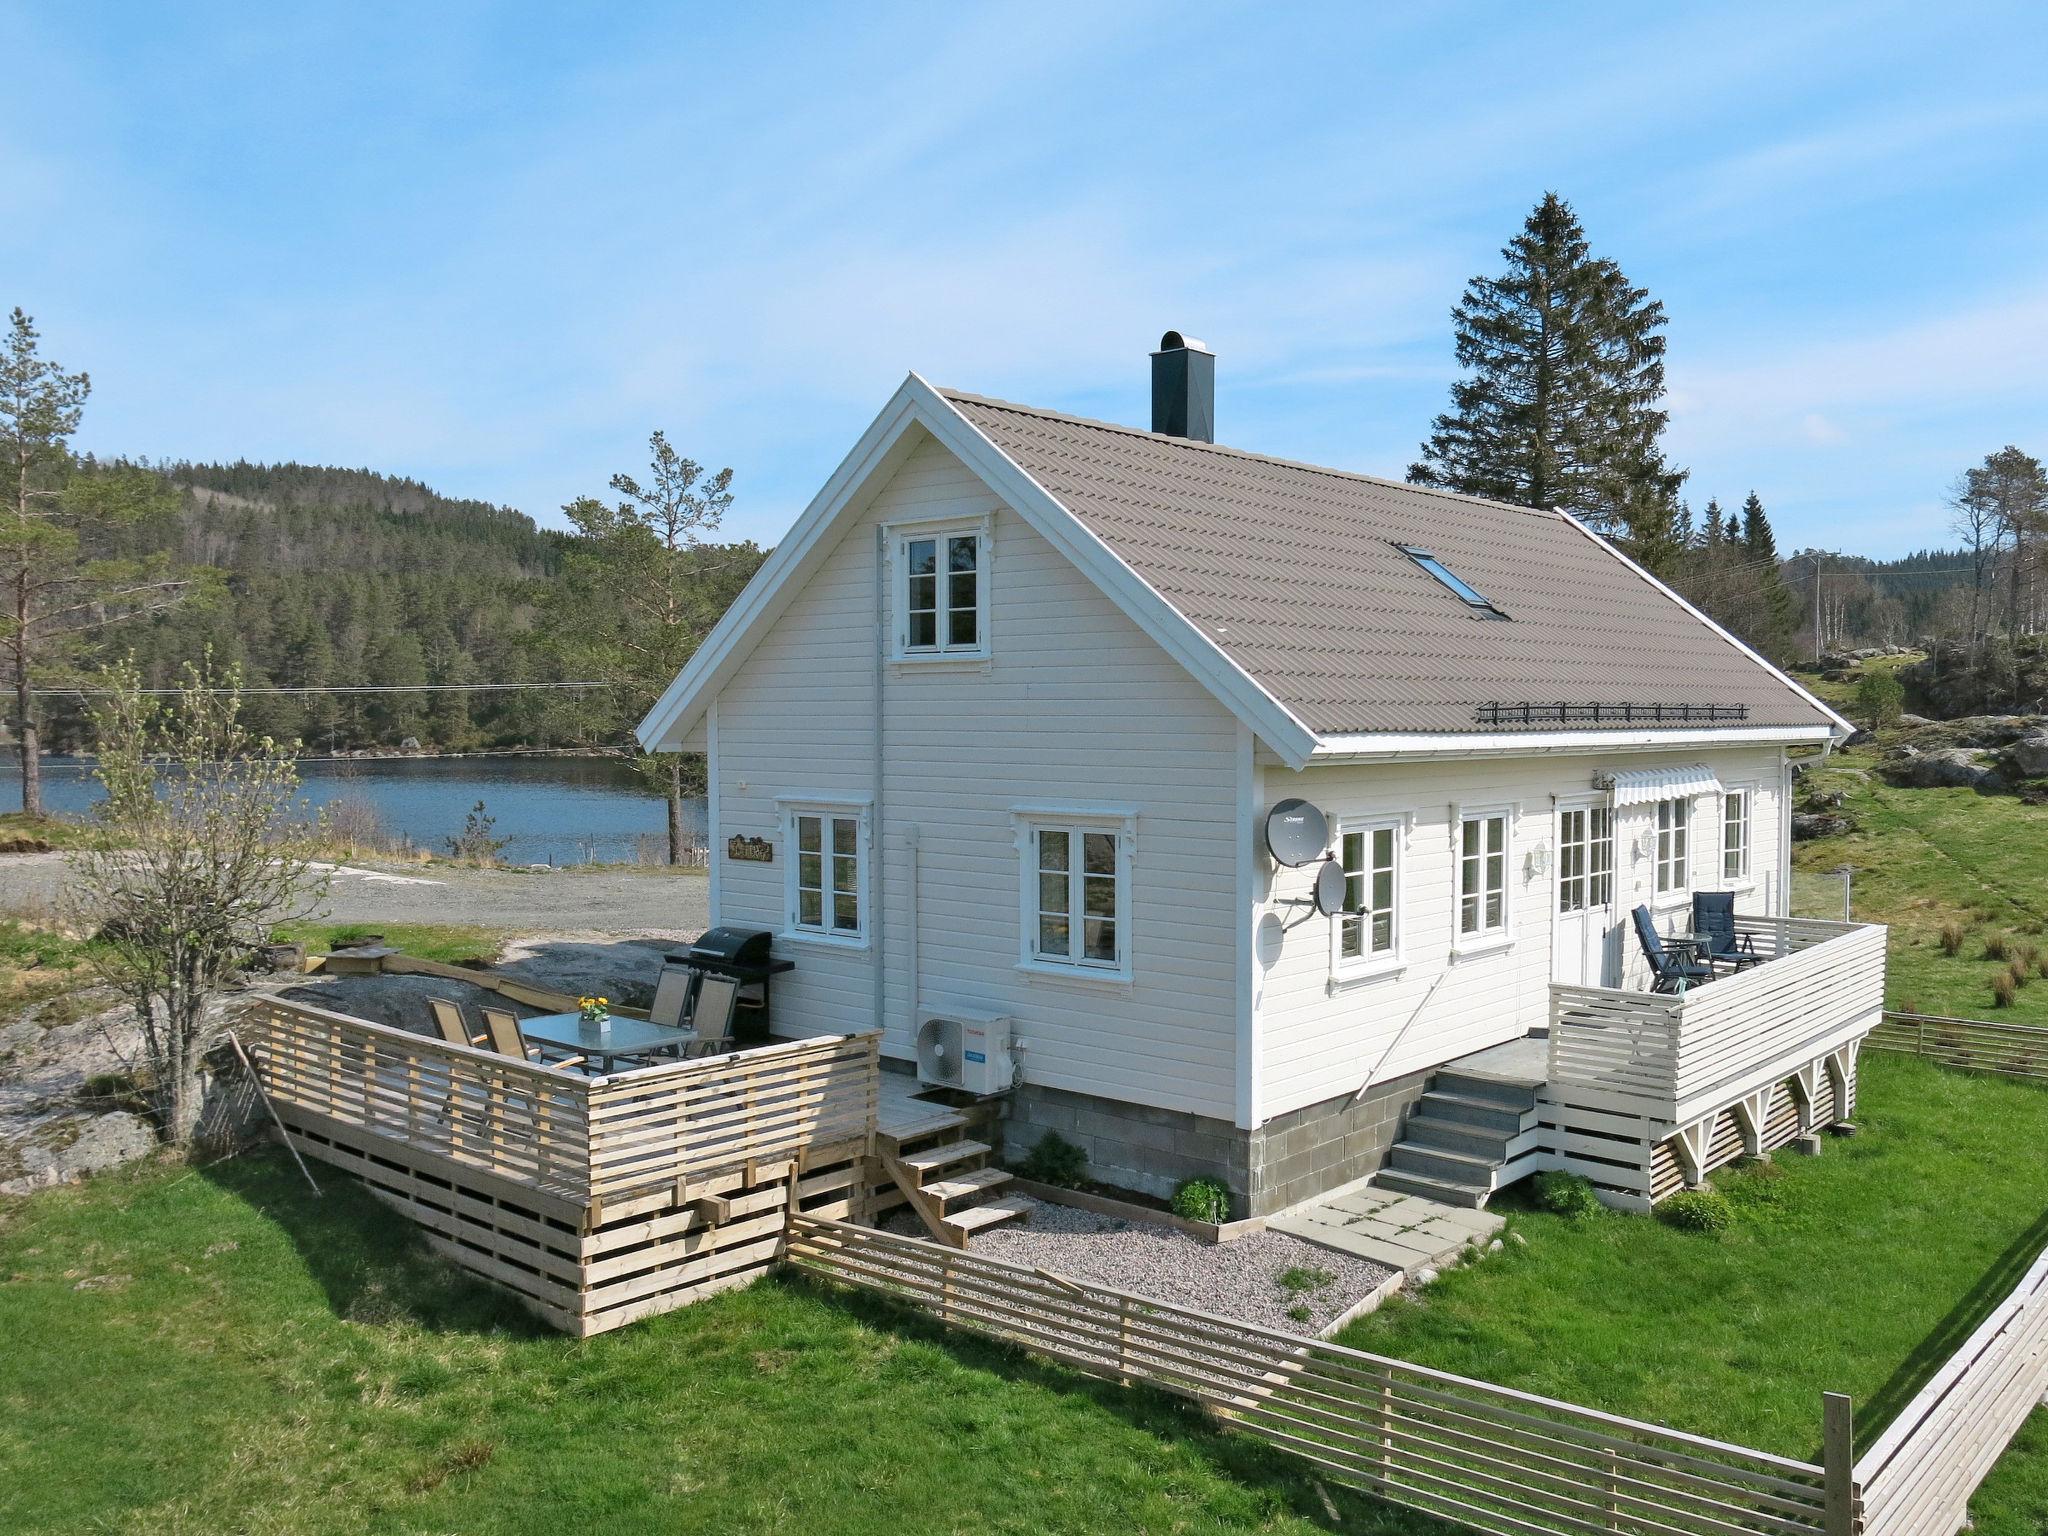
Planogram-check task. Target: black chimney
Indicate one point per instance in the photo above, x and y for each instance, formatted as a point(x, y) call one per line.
point(1184, 388)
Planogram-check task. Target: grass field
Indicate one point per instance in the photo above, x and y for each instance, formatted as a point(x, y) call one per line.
point(1924, 858)
point(449, 943)
point(213, 1350)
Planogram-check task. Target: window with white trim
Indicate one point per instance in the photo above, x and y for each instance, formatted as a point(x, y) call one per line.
point(1368, 929)
point(1483, 874)
point(827, 873)
point(942, 591)
point(1585, 858)
point(1077, 894)
point(1674, 821)
point(1735, 839)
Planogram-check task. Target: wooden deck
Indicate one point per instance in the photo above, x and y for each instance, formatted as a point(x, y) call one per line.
point(599, 1200)
point(1646, 1094)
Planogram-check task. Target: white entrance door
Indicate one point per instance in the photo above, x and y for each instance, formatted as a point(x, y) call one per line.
point(1587, 939)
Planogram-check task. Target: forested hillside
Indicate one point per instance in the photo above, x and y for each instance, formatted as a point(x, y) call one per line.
point(326, 577)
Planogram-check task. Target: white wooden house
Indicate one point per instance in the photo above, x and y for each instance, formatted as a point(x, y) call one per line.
point(996, 731)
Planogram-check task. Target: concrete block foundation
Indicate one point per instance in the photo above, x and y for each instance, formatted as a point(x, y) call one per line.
point(1291, 1158)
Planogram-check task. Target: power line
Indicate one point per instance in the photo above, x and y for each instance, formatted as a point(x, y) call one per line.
point(82, 693)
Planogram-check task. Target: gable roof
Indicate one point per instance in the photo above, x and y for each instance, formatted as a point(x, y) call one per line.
point(1281, 587)
point(1299, 575)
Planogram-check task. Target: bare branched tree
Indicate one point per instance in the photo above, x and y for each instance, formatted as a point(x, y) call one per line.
point(200, 849)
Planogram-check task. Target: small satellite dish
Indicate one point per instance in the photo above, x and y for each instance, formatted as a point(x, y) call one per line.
point(1296, 833)
point(1330, 888)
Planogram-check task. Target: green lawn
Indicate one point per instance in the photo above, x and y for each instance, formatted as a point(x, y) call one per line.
point(1857, 1271)
point(1927, 857)
point(213, 1350)
point(449, 943)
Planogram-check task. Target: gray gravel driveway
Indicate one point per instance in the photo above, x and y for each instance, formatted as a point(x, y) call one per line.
point(649, 901)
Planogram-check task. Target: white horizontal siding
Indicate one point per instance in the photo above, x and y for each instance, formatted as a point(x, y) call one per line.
point(1075, 705)
point(1318, 1037)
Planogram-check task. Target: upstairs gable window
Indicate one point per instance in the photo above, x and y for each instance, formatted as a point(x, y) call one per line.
point(942, 592)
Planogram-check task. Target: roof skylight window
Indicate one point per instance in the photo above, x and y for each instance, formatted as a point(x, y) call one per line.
point(1465, 593)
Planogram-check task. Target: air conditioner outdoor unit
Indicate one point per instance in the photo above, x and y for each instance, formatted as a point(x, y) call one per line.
point(963, 1050)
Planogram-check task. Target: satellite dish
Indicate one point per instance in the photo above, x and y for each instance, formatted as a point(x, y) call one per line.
point(1296, 833)
point(1330, 888)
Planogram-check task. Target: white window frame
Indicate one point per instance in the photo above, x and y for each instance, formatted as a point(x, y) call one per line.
point(1743, 876)
point(1671, 847)
point(1119, 821)
point(1354, 967)
point(901, 536)
point(1485, 939)
point(828, 811)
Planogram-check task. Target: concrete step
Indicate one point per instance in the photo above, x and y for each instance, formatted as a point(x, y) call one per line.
point(1440, 1163)
point(1514, 1095)
point(1405, 1183)
point(922, 1164)
point(1477, 1114)
point(1457, 1136)
point(965, 1186)
point(977, 1217)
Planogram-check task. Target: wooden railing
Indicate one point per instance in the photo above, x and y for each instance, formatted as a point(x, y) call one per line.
point(1918, 1477)
point(1483, 1456)
point(581, 1140)
point(1820, 984)
point(1973, 1045)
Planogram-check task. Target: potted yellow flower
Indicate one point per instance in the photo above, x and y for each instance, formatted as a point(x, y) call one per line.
point(595, 1011)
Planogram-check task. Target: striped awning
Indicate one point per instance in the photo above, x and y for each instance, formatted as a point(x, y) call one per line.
point(1639, 786)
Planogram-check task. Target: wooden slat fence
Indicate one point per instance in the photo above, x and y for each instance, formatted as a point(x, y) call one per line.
point(1973, 1045)
point(1918, 1476)
point(583, 1141)
point(1484, 1456)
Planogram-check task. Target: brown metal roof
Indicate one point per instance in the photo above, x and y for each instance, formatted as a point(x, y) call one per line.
point(1294, 572)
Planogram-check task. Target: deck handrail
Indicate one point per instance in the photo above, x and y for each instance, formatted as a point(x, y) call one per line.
point(1660, 1054)
point(585, 1141)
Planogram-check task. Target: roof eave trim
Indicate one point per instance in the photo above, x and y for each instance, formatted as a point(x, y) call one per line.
point(693, 688)
point(1165, 625)
point(1382, 746)
point(1843, 729)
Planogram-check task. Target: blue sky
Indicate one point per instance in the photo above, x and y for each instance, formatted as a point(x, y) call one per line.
point(494, 246)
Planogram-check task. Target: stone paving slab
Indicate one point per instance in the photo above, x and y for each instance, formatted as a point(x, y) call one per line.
point(1404, 1231)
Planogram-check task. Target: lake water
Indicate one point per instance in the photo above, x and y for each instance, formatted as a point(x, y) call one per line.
point(556, 810)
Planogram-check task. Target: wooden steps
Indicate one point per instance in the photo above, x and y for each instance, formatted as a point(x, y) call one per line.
point(948, 1180)
point(968, 1222)
point(929, 1160)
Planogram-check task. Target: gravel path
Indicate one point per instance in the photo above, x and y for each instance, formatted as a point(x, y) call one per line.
point(650, 901)
point(1238, 1279)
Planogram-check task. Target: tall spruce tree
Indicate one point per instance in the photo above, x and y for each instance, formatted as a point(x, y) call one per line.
point(1560, 404)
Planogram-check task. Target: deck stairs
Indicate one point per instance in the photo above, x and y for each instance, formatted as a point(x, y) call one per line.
point(1470, 1134)
point(943, 1171)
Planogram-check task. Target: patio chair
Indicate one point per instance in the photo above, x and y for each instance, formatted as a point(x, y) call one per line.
point(1669, 971)
point(448, 1020)
point(1713, 915)
point(717, 999)
point(672, 995)
point(507, 1040)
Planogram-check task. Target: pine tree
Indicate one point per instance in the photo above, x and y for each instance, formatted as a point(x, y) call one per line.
point(1712, 534)
point(1560, 406)
point(1758, 542)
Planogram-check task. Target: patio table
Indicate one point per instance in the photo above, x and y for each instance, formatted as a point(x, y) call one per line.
point(605, 1043)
